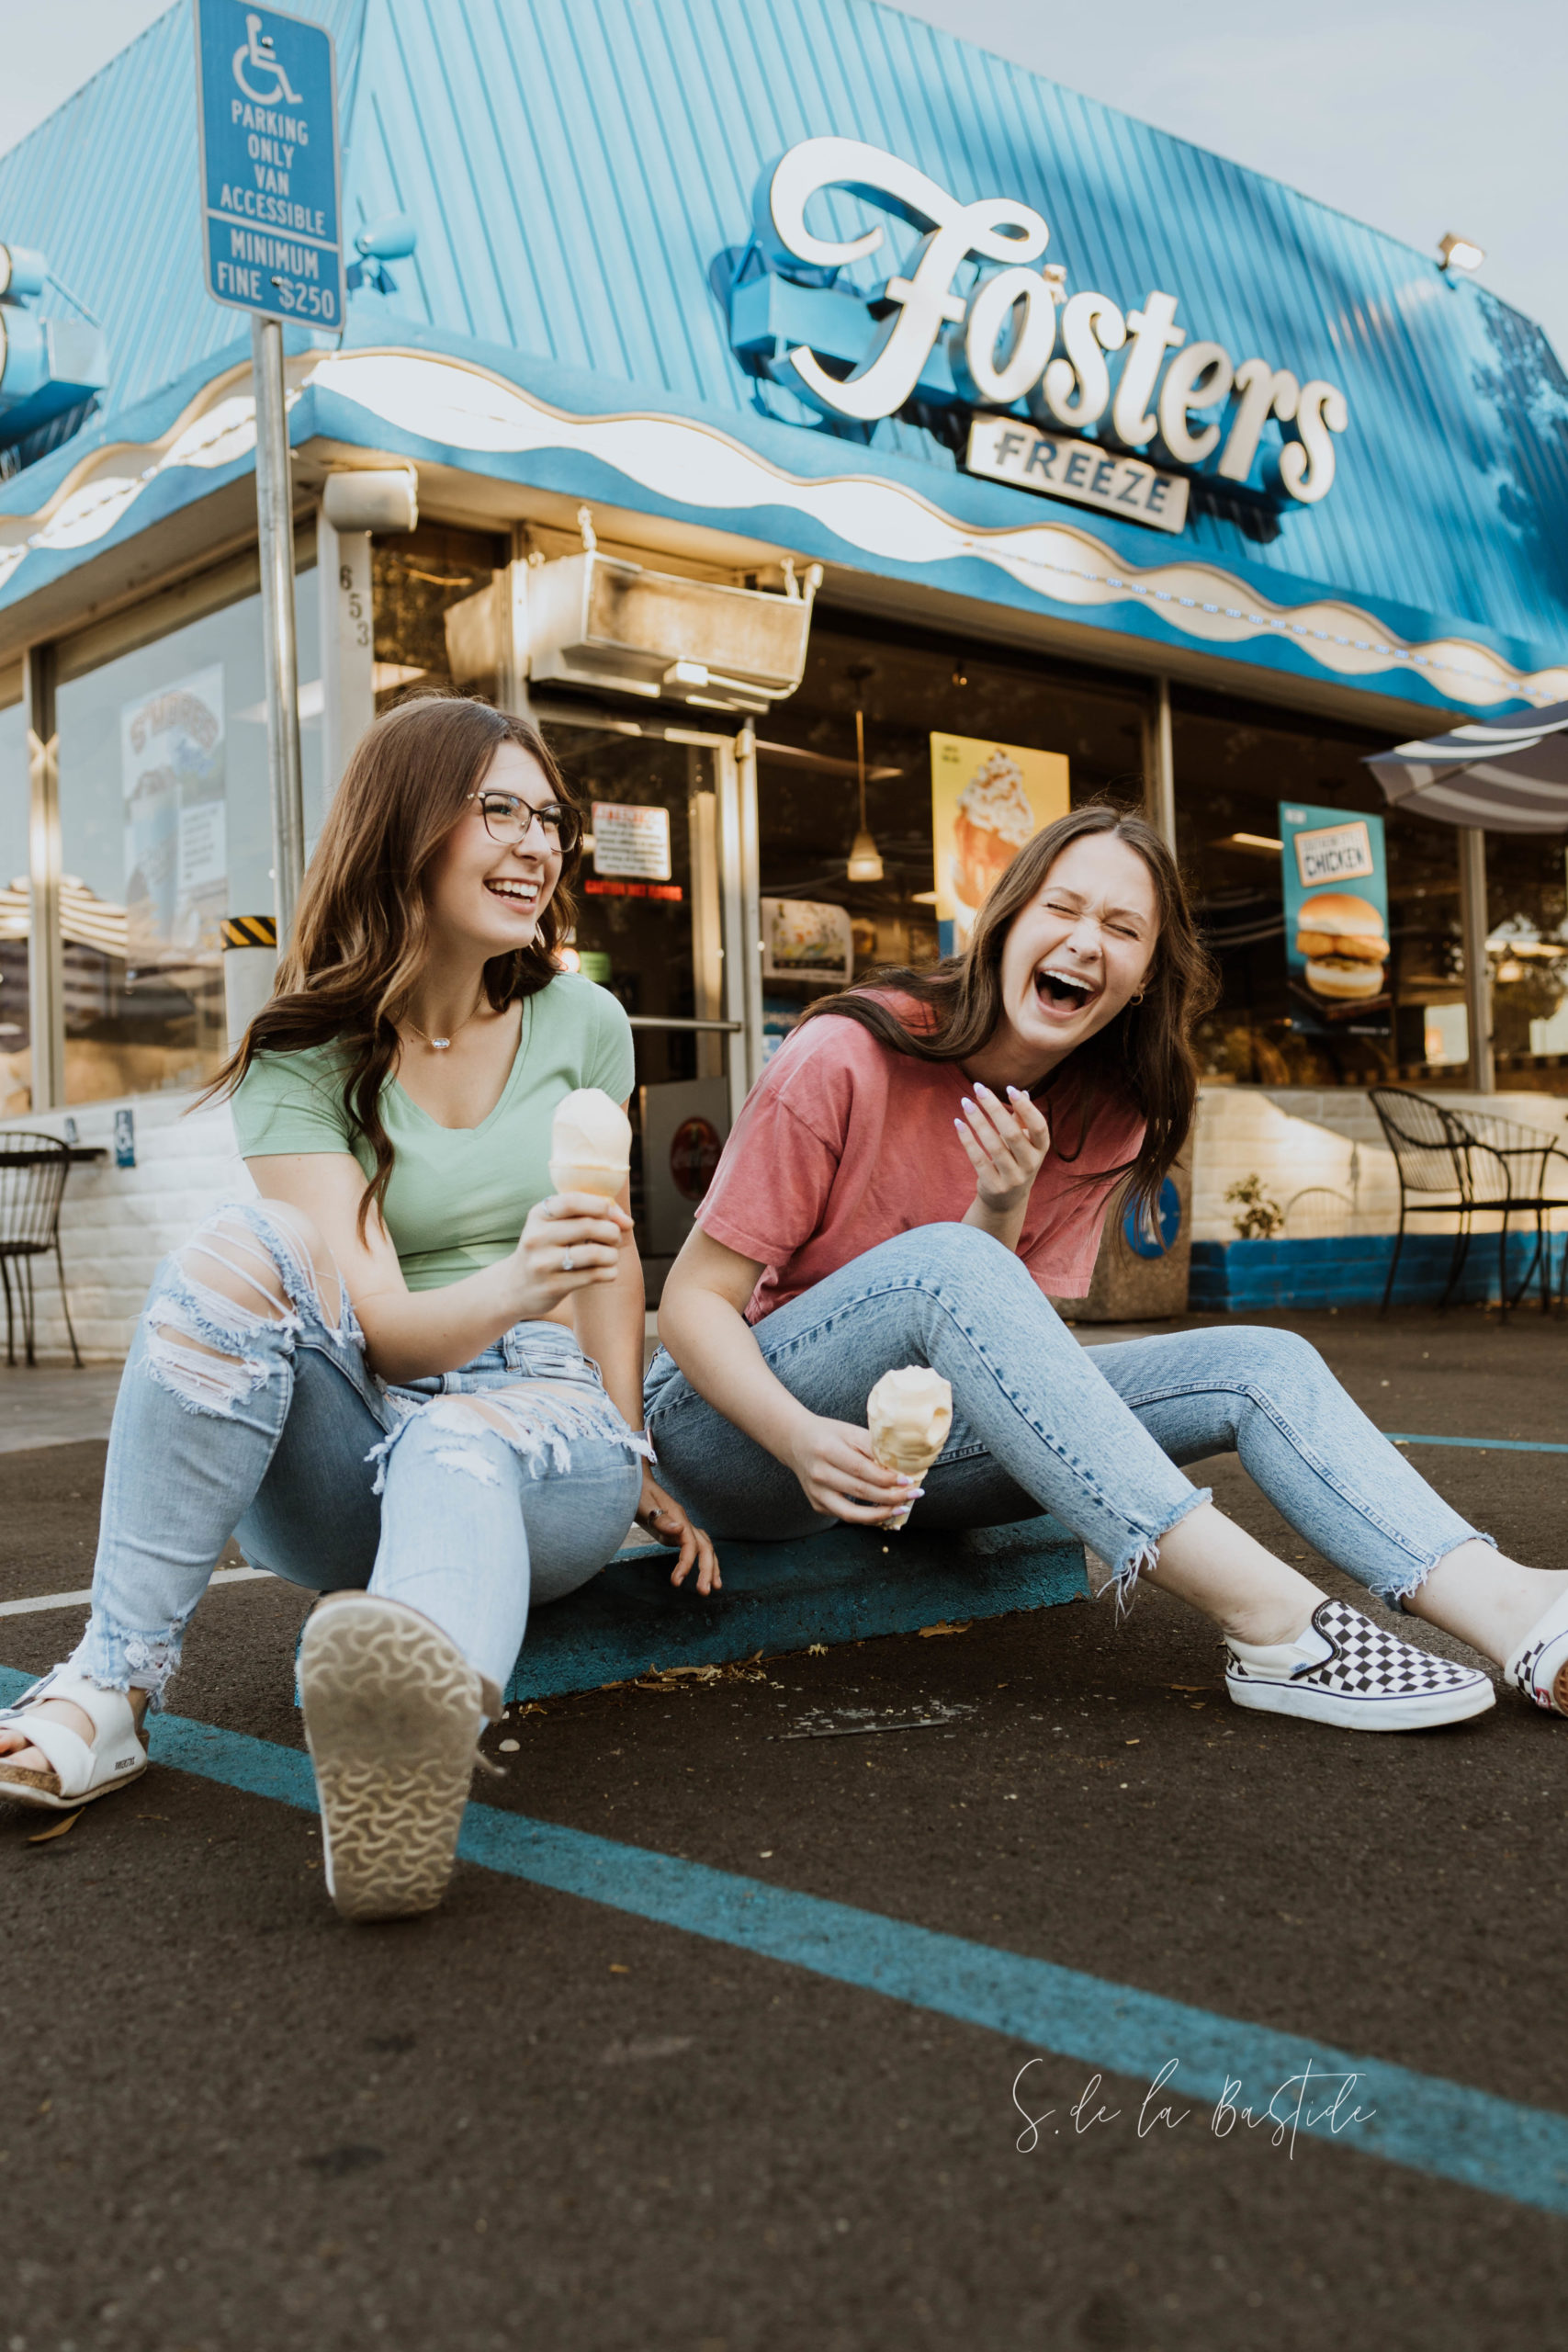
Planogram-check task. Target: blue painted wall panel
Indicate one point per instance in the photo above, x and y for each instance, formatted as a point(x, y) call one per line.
point(576, 166)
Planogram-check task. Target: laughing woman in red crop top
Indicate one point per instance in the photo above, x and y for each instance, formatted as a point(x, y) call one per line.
point(925, 1164)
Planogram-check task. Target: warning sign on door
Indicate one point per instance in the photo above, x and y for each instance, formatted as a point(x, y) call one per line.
point(632, 841)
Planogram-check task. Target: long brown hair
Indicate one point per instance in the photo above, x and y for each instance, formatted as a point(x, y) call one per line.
point(362, 925)
point(1144, 1054)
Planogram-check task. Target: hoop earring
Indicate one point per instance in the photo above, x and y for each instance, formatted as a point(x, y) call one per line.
point(1139, 997)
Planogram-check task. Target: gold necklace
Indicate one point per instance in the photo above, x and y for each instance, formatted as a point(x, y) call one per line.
point(443, 1045)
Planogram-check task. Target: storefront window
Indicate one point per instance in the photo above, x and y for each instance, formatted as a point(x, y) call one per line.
point(165, 828)
point(650, 930)
point(16, 1092)
point(909, 686)
point(1235, 764)
point(416, 577)
point(1526, 908)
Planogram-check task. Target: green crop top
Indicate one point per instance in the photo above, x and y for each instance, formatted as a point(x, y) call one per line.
point(458, 1195)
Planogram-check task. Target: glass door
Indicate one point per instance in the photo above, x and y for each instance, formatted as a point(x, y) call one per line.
point(655, 921)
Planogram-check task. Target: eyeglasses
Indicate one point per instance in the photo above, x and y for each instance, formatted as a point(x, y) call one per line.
point(508, 820)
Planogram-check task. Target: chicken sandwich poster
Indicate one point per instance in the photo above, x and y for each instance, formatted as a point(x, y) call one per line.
point(1336, 946)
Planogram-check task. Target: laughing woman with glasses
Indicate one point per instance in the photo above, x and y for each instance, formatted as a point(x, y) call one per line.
point(407, 1376)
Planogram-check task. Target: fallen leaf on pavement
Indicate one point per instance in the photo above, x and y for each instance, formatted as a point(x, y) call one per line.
point(59, 1830)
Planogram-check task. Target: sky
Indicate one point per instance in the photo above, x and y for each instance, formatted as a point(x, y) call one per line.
point(1418, 118)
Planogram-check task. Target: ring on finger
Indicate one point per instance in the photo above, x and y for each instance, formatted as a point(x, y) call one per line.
point(565, 1261)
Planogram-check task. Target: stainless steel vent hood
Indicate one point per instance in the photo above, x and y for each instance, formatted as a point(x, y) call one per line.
point(601, 621)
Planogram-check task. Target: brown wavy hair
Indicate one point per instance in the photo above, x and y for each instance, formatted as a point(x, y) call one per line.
point(361, 924)
point(1144, 1055)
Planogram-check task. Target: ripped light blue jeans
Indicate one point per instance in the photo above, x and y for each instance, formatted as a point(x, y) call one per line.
point(468, 1495)
point(1094, 1435)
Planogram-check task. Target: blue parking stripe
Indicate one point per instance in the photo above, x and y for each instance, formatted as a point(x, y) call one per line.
point(1444, 2129)
point(1486, 1444)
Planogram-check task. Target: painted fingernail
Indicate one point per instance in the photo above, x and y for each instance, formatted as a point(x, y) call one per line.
point(968, 1105)
point(1016, 1094)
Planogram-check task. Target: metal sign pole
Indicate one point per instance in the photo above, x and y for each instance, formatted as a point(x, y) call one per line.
point(275, 527)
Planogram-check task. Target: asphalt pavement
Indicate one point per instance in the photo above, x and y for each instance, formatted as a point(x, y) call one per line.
point(541, 2118)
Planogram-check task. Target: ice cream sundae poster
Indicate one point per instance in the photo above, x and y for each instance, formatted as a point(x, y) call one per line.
point(988, 800)
point(1336, 945)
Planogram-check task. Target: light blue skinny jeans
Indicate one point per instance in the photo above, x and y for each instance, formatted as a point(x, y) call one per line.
point(1093, 1435)
point(467, 1495)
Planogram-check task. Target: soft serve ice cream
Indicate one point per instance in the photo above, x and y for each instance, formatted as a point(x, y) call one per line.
point(591, 1143)
point(909, 1414)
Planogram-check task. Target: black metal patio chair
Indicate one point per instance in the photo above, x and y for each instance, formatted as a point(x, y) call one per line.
point(1465, 1164)
point(33, 1169)
point(1537, 1168)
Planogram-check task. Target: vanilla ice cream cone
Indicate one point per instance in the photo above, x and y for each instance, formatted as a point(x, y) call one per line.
point(591, 1143)
point(909, 1414)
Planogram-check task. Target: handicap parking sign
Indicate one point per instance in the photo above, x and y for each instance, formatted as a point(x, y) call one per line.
point(266, 109)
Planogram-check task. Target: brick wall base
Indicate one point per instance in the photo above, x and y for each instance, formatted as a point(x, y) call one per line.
point(118, 1223)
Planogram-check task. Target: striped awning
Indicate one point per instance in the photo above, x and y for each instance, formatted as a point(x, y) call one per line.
point(1506, 775)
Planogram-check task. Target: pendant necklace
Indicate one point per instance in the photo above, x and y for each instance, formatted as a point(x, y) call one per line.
point(443, 1045)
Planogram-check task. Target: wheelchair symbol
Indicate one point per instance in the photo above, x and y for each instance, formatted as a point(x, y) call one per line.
point(257, 50)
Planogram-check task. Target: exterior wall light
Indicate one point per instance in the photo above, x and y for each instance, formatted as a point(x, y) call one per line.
point(1461, 252)
point(392, 237)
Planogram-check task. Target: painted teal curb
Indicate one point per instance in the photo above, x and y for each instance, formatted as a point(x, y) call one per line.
point(846, 1585)
point(1446, 2129)
point(1486, 1444)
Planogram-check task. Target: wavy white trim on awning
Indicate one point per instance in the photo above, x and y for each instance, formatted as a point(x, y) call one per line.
point(693, 464)
point(217, 427)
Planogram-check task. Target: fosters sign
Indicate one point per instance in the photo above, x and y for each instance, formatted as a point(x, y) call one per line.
point(1015, 340)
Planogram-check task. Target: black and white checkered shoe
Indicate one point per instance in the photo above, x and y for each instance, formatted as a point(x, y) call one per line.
point(1345, 1670)
point(1539, 1665)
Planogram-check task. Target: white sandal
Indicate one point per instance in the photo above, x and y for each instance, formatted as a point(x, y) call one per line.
point(393, 1713)
point(79, 1773)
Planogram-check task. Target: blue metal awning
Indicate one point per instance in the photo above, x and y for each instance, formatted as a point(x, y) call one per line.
point(583, 180)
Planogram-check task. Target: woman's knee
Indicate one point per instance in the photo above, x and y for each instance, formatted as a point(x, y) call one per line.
point(1279, 1364)
point(266, 1258)
point(460, 1443)
point(959, 1251)
point(224, 1301)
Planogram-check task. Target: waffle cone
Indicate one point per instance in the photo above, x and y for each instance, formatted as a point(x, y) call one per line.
point(567, 1177)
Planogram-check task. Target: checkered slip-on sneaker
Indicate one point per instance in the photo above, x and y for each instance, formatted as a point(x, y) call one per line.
point(1346, 1671)
point(1539, 1665)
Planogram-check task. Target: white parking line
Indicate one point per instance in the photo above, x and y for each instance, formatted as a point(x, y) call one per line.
point(80, 1599)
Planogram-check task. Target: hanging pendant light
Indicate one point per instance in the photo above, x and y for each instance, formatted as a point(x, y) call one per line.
point(865, 858)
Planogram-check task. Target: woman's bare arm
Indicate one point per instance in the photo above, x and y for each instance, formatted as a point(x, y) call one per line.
point(702, 1321)
point(410, 1334)
point(609, 1323)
